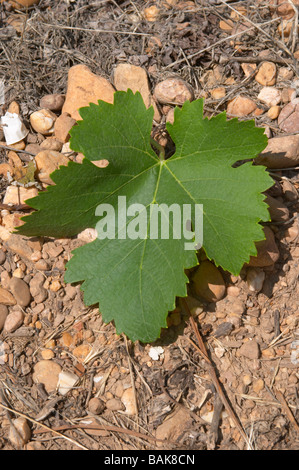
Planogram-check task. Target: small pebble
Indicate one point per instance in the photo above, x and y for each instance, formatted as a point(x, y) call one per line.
point(219, 351)
point(34, 445)
point(285, 74)
point(88, 336)
point(266, 75)
point(255, 279)
point(218, 93)
point(208, 282)
point(47, 354)
point(128, 400)
point(51, 143)
point(50, 344)
point(250, 349)
point(41, 265)
point(2, 257)
point(234, 291)
point(19, 433)
point(288, 119)
point(54, 102)
point(170, 116)
point(6, 297)
point(3, 315)
point(279, 212)
point(67, 339)
point(36, 256)
point(38, 292)
point(33, 149)
point(20, 291)
point(5, 278)
point(226, 25)
point(258, 385)
point(114, 404)
point(247, 380)
point(13, 321)
point(18, 273)
point(47, 373)
point(281, 152)
point(290, 192)
point(248, 69)
point(270, 96)
point(151, 13)
point(70, 291)
point(267, 250)
point(273, 112)
point(81, 352)
point(173, 91)
point(47, 161)
point(62, 126)
point(26, 368)
point(55, 286)
point(241, 106)
point(223, 329)
point(13, 108)
point(42, 121)
point(38, 309)
point(96, 406)
point(268, 353)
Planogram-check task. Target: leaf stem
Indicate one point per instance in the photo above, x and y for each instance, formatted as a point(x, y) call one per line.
point(158, 147)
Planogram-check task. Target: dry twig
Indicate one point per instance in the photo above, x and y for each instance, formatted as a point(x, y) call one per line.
point(204, 354)
point(287, 410)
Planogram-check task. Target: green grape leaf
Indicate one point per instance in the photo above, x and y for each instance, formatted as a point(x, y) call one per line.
point(136, 273)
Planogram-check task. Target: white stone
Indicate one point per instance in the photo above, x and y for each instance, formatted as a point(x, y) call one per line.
point(295, 352)
point(155, 352)
point(88, 235)
point(208, 417)
point(13, 128)
point(66, 381)
point(43, 121)
point(128, 400)
point(270, 95)
point(255, 279)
